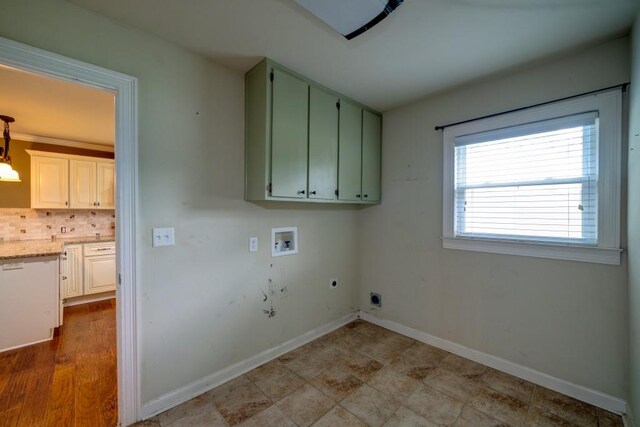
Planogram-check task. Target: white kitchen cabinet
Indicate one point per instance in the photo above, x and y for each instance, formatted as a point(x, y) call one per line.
point(105, 185)
point(99, 274)
point(62, 181)
point(49, 182)
point(82, 184)
point(28, 300)
point(71, 271)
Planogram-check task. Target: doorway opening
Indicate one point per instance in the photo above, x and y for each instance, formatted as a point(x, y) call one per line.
point(93, 224)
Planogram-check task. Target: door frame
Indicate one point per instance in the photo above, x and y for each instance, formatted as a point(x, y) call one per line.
point(125, 88)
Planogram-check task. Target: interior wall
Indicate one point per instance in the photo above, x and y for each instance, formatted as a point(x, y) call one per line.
point(18, 194)
point(206, 302)
point(566, 319)
point(634, 225)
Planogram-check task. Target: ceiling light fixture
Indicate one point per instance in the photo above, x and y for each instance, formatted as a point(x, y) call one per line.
point(7, 173)
point(351, 17)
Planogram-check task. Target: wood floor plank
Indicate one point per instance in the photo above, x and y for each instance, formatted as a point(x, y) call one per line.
point(68, 381)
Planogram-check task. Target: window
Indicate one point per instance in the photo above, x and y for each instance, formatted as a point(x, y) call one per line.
point(541, 182)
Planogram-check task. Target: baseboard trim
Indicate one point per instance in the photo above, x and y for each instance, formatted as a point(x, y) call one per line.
point(627, 419)
point(85, 299)
point(196, 388)
point(584, 394)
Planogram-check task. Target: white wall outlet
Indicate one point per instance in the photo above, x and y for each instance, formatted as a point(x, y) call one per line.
point(253, 244)
point(163, 236)
point(333, 283)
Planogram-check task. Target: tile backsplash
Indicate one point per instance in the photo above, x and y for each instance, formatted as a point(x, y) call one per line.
point(30, 224)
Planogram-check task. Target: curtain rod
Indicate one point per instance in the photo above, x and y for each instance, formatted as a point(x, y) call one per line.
point(622, 85)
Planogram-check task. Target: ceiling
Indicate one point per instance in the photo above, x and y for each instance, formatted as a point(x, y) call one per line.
point(51, 108)
point(423, 47)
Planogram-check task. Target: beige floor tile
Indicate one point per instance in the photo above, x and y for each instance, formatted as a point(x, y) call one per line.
point(270, 417)
point(397, 341)
point(307, 365)
point(508, 384)
point(405, 417)
point(294, 354)
point(361, 366)
point(379, 351)
point(336, 383)
point(463, 367)
point(460, 388)
point(608, 419)
point(227, 387)
point(433, 405)
point(393, 383)
point(418, 361)
point(370, 405)
point(277, 381)
point(370, 330)
point(153, 422)
point(539, 418)
point(305, 405)
point(498, 405)
point(242, 403)
point(353, 339)
point(473, 418)
point(565, 407)
point(339, 416)
point(195, 407)
point(205, 416)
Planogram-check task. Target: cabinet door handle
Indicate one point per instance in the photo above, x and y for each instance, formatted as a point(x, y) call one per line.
point(103, 249)
point(313, 192)
point(366, 195)
point(357, 195)
point(301, 192)
point(98, 203)
point(64, 277)
point(66, 203)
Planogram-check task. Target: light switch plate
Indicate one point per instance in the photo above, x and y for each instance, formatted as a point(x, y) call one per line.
point(163, 236)
point(253, 244)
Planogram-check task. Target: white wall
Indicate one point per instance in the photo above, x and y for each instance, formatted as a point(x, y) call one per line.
point(634, 226)
point(202, 300)
point(566, 319)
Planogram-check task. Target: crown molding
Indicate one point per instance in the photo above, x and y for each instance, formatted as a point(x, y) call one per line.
point(63, 142)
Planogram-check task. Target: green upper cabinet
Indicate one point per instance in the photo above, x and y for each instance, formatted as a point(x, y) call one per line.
point(323, 144)
point(289, 127)
point(350, 157)
point(371, 145)
point(304, 142)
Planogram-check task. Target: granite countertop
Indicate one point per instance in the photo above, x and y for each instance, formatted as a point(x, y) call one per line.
point(46, 247)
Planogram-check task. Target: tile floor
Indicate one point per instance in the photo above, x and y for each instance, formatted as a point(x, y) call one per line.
point(362, 374)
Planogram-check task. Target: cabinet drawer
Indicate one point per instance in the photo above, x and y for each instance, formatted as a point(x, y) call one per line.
point(93, 249)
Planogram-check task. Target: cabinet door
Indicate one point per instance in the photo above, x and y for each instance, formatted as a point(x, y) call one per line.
point(350, 154)
point(99, 274)
point(371, 145)
point(323, 144)
point(71, 271)
point(49, 183)
point(289, 139)
point(105, 185)
point(82, 188)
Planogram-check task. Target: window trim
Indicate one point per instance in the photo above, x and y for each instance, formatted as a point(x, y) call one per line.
point(608, 104)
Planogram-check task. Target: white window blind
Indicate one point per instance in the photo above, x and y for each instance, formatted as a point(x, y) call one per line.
point(533, 182)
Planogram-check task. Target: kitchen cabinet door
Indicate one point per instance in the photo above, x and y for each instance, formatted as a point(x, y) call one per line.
point(105, 185)
point(71, 272)
point(49, 183)
point(289, 139)
point(99, 274)
point(350, 153)
point(82, 188)
point(371, 146)
point(323, 144)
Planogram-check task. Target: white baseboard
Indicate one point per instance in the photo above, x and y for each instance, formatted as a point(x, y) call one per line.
point(70, 302)
point(627, 419)
point(596, 398)
point(196, 388)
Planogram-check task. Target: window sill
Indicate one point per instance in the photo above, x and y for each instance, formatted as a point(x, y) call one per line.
point(537, 250)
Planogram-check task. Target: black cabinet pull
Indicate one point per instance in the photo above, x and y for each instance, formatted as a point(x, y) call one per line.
point(357, 195)
point(313, 192)
point(366, 195)
point(301, 192)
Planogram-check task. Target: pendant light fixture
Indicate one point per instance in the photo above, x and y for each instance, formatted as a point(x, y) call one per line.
point(7, 173)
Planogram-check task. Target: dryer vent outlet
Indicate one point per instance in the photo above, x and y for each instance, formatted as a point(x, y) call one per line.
point(376, 299)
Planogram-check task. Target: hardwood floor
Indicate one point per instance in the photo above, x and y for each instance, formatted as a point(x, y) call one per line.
point(69, 381)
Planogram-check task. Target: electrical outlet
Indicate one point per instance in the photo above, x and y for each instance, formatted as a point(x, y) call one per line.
point(333, 283)
point(253, 244)
point(376, 299)
point(163, 237)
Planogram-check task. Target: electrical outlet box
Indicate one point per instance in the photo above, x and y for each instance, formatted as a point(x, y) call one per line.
point(163, 236)
point(333, 283)
point(376, 299)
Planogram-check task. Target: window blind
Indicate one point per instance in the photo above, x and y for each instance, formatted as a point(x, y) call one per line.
point(532, 182)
